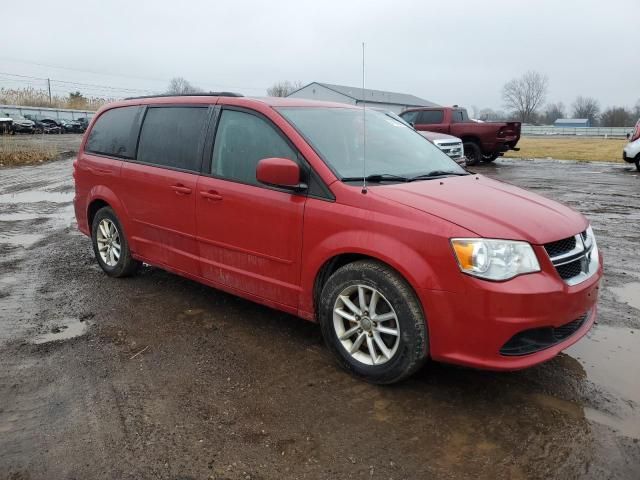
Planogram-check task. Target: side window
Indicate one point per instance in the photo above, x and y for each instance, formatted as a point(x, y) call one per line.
point(430, 117)
point(115, 132)
point(171, 137)
point(410, 116)
point(459, 116)
point(242, 140)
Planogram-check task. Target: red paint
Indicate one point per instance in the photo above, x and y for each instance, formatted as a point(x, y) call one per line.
point(492, 137)
point(269, 245)
point(278, 171)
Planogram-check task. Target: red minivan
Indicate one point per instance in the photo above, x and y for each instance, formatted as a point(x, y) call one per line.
point(341, 216)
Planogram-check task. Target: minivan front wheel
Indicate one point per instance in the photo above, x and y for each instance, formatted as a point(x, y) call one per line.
point(110, 245)
point(373, 323)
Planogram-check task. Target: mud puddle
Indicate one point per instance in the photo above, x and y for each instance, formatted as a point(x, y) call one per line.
point(629, 294)
point(33, 196)
point(65, 329)
point(610, 357)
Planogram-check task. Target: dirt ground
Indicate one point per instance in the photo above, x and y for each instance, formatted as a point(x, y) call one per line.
point(159, 377)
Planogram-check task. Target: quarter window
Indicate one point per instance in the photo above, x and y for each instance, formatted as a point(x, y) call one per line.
point(242, 140)
point(171, 137)
point(410, 116)
point(115, 132)
point(430, 117)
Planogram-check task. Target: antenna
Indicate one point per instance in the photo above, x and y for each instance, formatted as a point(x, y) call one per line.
point(364, 131)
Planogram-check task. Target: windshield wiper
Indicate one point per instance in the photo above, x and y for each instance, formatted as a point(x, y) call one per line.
point(379, 177)
point(437, 174)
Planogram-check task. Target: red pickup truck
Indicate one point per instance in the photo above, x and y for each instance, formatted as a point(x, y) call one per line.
point(483, 141)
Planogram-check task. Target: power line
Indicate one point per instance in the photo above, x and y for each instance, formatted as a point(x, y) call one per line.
point(214, 86)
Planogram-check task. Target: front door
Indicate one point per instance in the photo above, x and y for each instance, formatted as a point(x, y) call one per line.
point(250, 235)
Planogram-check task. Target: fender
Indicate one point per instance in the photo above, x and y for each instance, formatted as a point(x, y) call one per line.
point(101, 192)
point(407, 261)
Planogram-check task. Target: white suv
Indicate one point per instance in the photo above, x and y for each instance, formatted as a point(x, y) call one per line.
point(631, 152)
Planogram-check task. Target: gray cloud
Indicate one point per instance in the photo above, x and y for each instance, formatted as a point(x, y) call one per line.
point(448, 52)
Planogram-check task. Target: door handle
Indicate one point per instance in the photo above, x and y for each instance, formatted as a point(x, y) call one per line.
point(181, 189)
point(211, 195)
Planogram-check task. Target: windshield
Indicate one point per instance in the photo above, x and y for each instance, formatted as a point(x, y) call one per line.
point(392, 148)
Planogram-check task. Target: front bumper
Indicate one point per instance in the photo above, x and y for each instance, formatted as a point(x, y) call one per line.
point(470, 328)
point(627, 158)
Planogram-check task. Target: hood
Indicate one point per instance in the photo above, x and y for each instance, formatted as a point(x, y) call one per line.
point(489, 208)
point(431, 136)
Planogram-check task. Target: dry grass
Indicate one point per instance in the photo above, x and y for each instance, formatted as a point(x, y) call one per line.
point(14, 152)
point(32, 97)
point(570, 148)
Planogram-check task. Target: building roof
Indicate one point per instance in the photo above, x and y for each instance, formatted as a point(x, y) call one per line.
point(572, 120)
point(375, 96)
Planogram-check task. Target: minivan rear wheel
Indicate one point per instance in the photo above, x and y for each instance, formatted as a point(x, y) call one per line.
point(110, 245)
point(372, 322)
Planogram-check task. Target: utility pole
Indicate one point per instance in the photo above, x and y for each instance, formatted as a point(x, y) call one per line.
point(49, 86)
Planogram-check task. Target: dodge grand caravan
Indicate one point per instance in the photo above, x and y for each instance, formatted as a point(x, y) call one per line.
point(266, 199)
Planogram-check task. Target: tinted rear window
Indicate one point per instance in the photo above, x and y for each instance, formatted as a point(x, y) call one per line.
point(172, 136)
point(459, 116)
point(115, 132)
point(430, 116)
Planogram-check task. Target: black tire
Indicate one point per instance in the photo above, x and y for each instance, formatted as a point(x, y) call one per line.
point(490, 158)
point(472, 152)
point(126, 265)
point(638, 163)
point(413, 346)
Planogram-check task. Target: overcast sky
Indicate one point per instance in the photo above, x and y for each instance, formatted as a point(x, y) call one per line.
point(447, 52)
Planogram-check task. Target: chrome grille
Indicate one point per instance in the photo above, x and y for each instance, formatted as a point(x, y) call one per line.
point(452, 149)
point(575, 258)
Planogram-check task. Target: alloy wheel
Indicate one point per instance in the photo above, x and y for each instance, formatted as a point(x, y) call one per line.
point(108, 240)
point(366, 325)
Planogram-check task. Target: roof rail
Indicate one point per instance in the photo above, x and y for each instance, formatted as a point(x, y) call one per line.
point(199, 94)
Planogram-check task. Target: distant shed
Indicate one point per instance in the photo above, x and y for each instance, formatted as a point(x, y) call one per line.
point(572, 122)
point(396, 102)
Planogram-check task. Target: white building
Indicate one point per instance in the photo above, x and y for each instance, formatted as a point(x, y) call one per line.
point(396, 102)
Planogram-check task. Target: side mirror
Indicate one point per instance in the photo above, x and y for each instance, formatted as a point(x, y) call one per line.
point(279, 172)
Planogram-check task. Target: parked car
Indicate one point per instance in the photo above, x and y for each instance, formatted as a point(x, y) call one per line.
point(450, 145)
point(51, 126)
point(6, 125)
point(84, 121)
point(483, 141)
point(21, 124)
point(266, 199)
point(631, 151)
point(72, 126)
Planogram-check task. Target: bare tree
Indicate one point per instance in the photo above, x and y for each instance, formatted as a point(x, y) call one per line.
point(283, 88)
point(525, 94)
point(636, 110)
point(616, 117)
point(180, 86)
point(489, 115)
point(553, 112)
point(586, 107)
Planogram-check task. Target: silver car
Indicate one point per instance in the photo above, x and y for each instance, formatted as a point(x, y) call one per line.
point(449, 144)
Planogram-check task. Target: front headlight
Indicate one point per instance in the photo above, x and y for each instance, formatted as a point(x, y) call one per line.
point(494, 259)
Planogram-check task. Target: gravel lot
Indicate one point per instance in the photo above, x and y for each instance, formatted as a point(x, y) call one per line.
point(159, 377)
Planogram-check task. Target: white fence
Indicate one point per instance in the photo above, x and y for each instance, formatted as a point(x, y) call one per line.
point(619, 132)
point(43, 112)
